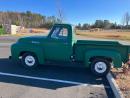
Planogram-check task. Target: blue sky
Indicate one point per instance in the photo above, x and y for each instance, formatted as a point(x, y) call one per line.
point(75, 11)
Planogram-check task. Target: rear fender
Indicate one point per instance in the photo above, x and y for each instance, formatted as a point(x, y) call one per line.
point(114, 55)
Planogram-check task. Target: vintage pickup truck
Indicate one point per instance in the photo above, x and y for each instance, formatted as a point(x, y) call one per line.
point(61, 47)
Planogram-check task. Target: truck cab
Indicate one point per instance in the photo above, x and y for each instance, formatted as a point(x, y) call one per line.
point(61, 46)
point(60, 43)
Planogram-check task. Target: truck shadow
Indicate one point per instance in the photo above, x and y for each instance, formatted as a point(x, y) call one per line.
point(80, 75)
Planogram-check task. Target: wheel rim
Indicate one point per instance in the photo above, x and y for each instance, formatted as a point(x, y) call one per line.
point(29, 61)
point(100, 67)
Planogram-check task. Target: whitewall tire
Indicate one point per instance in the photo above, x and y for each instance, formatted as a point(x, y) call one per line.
point(29, 60)
point(100, 67)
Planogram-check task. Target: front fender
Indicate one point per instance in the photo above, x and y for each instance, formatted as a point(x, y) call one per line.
point(114, 55)
point(17, 48)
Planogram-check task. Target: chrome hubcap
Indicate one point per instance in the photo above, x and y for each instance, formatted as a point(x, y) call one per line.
point(100, 67)
point(29, 61)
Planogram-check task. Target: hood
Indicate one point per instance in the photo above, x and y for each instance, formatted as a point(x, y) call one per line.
point(32, 39)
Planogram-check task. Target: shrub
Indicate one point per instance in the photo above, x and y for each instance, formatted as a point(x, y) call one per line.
point(2, 31)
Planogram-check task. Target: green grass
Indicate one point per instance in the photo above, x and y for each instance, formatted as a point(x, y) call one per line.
point(2, 31)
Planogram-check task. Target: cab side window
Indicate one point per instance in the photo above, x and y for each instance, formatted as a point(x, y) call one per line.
point(60, 33)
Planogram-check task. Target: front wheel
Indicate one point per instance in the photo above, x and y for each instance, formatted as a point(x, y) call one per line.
point(100, 67)
point(29, 60)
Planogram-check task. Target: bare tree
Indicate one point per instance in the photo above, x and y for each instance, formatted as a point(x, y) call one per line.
point(126, 19)
point(60, 11)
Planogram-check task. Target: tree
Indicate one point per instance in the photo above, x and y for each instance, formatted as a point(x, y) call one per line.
point(61, 16)
point(107, 24)
point(85, 26)
point(79, 26)
point(126, 19)
point(27, 19)
point(99, 24)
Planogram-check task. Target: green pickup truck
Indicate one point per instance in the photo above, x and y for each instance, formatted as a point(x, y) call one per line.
point(61, 47)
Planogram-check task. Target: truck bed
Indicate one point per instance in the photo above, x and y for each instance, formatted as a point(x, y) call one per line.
point(82, 46)
point(104, 40)
point(92, 42)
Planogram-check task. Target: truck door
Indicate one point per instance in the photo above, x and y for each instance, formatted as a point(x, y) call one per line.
point(59, 47)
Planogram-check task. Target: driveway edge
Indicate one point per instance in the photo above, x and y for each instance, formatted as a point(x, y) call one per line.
point(5, 44)
point(115, 88)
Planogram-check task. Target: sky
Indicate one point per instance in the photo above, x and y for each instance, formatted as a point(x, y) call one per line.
point(74, 11)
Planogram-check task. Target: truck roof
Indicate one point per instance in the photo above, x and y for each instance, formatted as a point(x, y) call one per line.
point(62, 24)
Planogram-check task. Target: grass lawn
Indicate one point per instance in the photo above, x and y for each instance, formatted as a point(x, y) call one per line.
point(2, 31)
point(106, 34)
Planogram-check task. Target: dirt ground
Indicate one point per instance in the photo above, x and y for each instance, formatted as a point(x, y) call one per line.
point(108, 34)
point(104, 34)
point(123, 80)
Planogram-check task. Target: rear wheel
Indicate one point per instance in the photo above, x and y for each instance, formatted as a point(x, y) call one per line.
point(29, 60)
point(100, 67)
